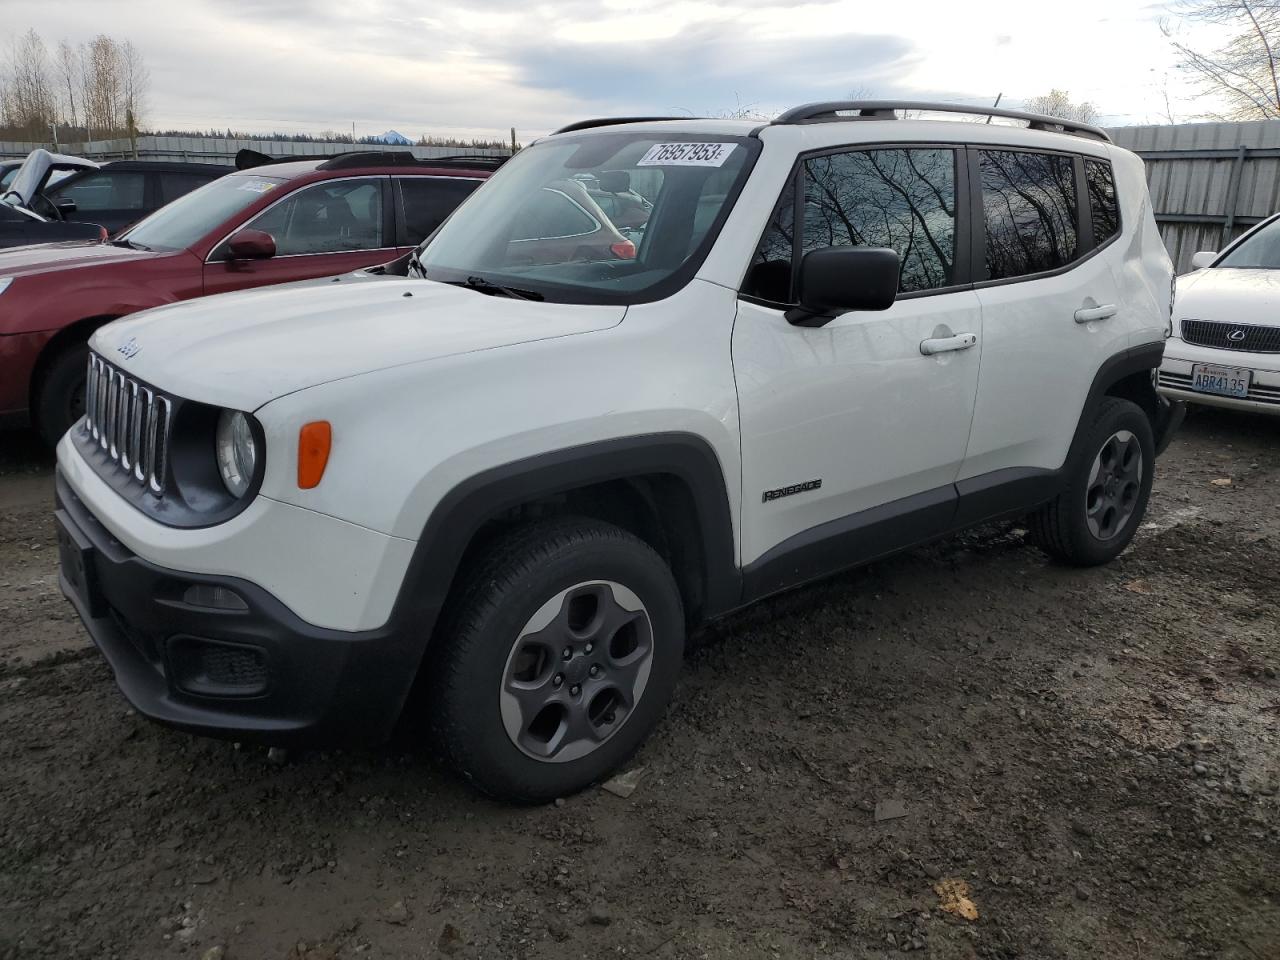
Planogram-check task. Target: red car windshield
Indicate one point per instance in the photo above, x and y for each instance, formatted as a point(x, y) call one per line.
point(190, 218)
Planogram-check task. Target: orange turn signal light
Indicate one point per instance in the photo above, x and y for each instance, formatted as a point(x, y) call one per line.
point(314, 440)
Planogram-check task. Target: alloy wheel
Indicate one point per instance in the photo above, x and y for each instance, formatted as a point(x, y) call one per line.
point(1115, 482)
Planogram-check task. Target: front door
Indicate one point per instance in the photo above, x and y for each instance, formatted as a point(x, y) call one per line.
point(856, 425)
point(321, 230)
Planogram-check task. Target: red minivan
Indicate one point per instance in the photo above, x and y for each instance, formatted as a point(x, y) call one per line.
point(269, 224)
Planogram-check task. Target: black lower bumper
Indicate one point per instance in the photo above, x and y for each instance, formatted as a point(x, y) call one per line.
point(1169, 417)
point(255, 672)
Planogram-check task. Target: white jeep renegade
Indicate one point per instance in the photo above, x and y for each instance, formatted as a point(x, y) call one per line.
point(650, 372)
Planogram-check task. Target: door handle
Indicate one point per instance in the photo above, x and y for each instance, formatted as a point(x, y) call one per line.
point(1104, 312)
point(961, 341)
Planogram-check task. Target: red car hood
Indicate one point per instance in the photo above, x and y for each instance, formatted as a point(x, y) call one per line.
point(47, 257)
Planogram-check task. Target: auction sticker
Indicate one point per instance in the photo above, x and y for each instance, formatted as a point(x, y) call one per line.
point(258, 186)
point(686, 155)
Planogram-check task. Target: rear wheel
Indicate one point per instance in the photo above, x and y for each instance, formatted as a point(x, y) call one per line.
point(557, 660)
point(59, 400)
point(1108, 487)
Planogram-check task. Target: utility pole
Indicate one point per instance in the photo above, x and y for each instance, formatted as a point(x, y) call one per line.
point(513, 141)
point(996, 104)
point(353, 133)
point(53, 127)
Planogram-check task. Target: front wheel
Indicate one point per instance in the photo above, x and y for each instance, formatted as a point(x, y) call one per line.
point(1108, 487)
point(59, 400)
point(557, 660)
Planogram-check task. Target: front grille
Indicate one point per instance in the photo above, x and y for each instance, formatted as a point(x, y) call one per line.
point(1258, 394)
point(130, 422)
point(1231, 336)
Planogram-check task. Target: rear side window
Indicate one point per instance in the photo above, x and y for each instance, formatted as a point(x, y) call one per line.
point(1103, 206)
point(1029, 203)
point(426, 201)
point(904, 199)
point(175, 185)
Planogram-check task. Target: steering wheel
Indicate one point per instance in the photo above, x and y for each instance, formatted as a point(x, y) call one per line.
point(45, 207)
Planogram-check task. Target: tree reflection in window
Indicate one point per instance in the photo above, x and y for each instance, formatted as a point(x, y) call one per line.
point(901, 199)
point(1102, 200)
point(1030, 204)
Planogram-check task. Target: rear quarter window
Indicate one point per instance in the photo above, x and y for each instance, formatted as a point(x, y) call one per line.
point(1103, 206)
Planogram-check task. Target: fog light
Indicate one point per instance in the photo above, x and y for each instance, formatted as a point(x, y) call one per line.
point(213, 597)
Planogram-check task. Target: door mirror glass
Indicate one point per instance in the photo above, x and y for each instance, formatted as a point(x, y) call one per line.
point(252, 245)
point(66, 206)
point(1203, 259)
point(835, 280)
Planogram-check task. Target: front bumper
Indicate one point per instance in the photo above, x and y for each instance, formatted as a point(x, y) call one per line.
point(258, 674)
point(1180, 357)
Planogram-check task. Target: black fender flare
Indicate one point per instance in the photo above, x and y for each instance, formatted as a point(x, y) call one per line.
point(1142, 358)
point(461, 513)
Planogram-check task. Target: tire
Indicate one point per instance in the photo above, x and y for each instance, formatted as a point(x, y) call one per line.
point(509, 712)
point(1076, 527)
point(59, 400)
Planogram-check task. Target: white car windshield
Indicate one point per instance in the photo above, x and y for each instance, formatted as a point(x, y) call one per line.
point(603, 217)
point(192, 216)
point(1261, 250)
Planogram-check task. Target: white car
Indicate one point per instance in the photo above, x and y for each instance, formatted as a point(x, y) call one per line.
point(1225, 351)
point(514, 473)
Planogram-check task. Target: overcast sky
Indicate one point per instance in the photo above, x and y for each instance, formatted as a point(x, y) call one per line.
point(480, 67)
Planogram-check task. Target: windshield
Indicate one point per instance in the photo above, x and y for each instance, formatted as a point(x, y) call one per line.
point(192, 216)
point(1262, 249)
point(597, 218)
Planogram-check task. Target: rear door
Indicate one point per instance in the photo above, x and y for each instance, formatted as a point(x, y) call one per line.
point(423, 203)
point(1050, 310)
point(320, 230)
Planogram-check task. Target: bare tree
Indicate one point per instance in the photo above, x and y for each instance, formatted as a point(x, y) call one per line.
point(28, 105)
point(68, 67)
point(1243, 73)
point(1058, 103)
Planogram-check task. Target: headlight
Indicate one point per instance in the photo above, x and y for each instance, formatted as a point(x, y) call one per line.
point(4, 283)
point(236, 451)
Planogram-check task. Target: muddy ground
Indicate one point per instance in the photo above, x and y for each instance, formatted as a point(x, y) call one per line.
point(1095, 754)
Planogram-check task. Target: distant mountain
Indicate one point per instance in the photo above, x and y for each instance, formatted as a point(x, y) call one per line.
point(395, 138)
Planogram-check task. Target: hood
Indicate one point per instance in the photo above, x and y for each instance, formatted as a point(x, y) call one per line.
point(1229, 294)
point(31, 176)
point(47, 257)
point(244, 349)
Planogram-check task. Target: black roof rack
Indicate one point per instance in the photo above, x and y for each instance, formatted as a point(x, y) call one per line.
point(396, 158)
point(834, 110)
point(610, 121)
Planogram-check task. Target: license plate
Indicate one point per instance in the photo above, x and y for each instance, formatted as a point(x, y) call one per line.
point(75, 554)
point(1224, 381)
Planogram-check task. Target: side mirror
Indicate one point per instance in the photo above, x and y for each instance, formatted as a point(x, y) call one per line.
point(251, 245)
point(66, 206)
point(1203, 259)
point(835, 280)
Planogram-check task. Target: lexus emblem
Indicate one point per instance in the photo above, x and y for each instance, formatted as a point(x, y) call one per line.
point(1236, 335)
point(129, 349)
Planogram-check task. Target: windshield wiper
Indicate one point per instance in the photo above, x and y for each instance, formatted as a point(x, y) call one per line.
point(481, 285)
point(130, 244)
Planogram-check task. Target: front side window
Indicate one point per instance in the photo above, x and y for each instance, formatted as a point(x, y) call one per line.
point(1029, 204)
point(904, 199)
point(1103, 206)
point(338, 217)
point(609, 216)
point(104, 191)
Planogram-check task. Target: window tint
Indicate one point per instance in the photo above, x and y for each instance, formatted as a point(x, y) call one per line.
point(1029, 201)
point(104, 191)
point(1102, 200)
point(426, 201)
point(901, 199)
point(334, 217)
point(175, 185)
point(550, 214)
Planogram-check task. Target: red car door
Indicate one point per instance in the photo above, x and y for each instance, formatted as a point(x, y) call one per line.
point(319, 230)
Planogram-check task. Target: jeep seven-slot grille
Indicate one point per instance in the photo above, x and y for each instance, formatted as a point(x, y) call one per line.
point(129, 421)
point(1231, 336)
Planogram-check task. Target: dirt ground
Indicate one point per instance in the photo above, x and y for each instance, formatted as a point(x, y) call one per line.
point(1086, 760)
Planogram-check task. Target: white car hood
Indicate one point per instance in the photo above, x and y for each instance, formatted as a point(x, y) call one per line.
point(244, 349)
point(1229, 295)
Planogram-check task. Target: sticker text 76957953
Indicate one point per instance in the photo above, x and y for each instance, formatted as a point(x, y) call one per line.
point(686, 155)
